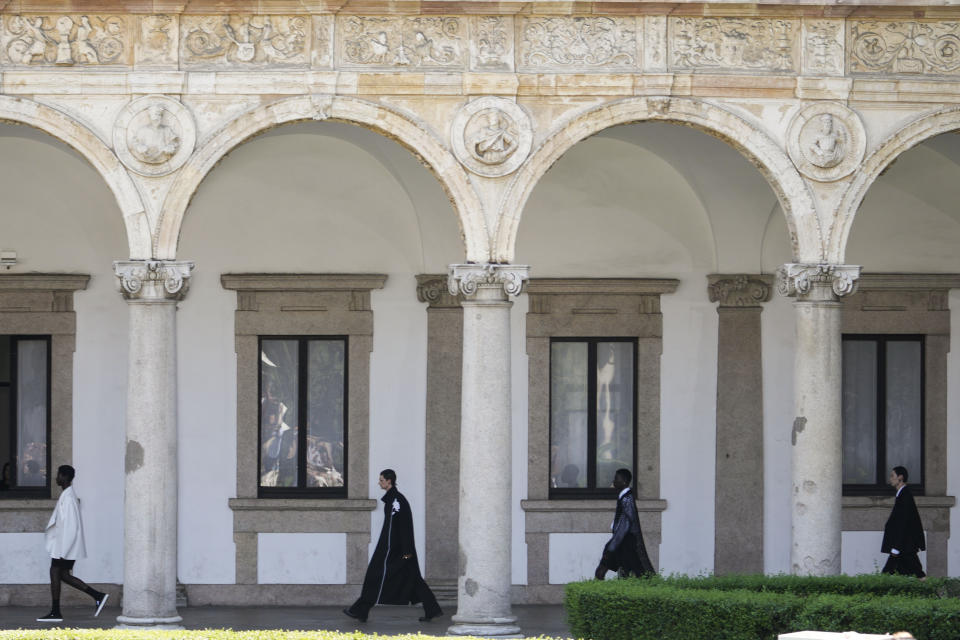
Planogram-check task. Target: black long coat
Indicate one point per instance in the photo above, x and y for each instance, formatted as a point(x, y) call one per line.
point(904, 530)
point(625, 550)
point(390, 579)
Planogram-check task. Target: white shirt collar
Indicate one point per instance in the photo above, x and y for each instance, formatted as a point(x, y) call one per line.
point(899, 490)
point(622, 493)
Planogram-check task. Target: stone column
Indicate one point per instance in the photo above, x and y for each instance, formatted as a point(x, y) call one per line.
point(738, 497)
point(444, 367)
point(152, 290)
point(483, 586)
point(817, 428)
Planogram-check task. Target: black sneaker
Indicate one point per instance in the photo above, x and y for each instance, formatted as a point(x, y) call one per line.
point(53, 616)
point(99, 602)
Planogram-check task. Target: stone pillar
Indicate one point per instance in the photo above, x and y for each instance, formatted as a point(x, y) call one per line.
point(444, 367)
point(152, 290)
point(738, 497)
point(483, 586)
point(817, 428)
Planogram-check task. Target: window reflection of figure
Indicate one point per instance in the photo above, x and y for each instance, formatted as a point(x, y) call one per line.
point(321, 470)
point(278, 460)
point(605, 376)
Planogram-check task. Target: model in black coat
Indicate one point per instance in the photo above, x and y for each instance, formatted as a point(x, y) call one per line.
point(903, 533)
point(393, 575)
point(625, 552)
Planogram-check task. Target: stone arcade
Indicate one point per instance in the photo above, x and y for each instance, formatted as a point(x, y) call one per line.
point(469, 241)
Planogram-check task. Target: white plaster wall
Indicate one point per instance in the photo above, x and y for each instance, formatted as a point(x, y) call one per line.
point(316, 198)
point(574, 556)
point(302, 558)
point(59, 216)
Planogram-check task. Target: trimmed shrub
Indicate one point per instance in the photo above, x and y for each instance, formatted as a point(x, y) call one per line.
point(926, 619)
point(876, 584)
point(205, 634)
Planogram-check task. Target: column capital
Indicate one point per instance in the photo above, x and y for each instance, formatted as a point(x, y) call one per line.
point(153, 280)
point(739, 289)
point(465, 279)
point(801, 279)
point(433, 289)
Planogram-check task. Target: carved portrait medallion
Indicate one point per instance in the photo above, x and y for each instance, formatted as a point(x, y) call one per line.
point(491, 136)
point(154, 135)
point(826, 141)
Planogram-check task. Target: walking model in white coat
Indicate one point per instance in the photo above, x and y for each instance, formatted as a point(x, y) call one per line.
point(65, 545)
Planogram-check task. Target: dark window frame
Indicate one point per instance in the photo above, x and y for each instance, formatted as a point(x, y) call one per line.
point(881, 487)
point(303, 491)
point(17, 492)
point(591, 491)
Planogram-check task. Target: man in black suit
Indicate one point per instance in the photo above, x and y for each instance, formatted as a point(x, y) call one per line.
point(625, 552)
point(903, 533)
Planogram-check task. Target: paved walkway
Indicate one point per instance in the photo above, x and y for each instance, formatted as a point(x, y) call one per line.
point(534, 620)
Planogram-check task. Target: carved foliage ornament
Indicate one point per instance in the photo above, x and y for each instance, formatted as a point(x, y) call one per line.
point(579, 42)
point(826, 141)
point(416, 43)
point(491, 136)
point(798, 279)
point(465, 279)
point(823, 47)
point(153, 280)
point(64, 40)
point(904, 47)
point(739, 290)
point(760, 44)
point(211, 41)
point(154, 135)
point(492, 43)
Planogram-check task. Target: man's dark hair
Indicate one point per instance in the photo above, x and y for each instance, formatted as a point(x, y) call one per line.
point(67, 471)
point(625, 474)
point(902, 471)
point(391, 475)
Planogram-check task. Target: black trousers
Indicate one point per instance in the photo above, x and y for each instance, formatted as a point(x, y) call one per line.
point(905, 564)
point(421, 592)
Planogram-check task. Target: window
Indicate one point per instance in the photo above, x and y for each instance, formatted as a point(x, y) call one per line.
point(25, 415)
point(883, 410)
point(303, 384)
point(593, 397)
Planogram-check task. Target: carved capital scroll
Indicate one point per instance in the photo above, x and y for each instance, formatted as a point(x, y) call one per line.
point(466, 279)
point(739, 290)
point(153, 280)
point(799, 279)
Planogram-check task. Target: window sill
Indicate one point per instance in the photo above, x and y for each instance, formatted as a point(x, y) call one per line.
point(587, 505)
point(300, 504)
point(18, 515)
point(923, 502)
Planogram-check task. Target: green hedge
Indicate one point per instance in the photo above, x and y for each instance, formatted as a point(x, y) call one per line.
point(205, 634)
point(875, 584)
point(678, 609)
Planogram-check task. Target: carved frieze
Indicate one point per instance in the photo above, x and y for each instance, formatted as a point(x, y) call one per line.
point(158, 41)
point(154, 135)
point(826, 141)
point(740, 44)
point(491, 43)
point(579, 43)
point(402, 42)
point(799, 279)
point(322, 54)
point(491, 136)
point(903, 46)
point(823, 47)
point(244, 40)
point(739, 290)
point(655, 43)
point(67, 40)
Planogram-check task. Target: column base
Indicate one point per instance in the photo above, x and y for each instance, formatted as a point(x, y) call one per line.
point(485, 627)
point(129, 622)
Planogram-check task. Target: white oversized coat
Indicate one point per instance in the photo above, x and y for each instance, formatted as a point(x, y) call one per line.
point(64, 532)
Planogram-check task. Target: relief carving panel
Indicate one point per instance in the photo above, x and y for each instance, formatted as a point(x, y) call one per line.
point(739, 44)
point(914, 46)
point(491, 136)
point(154, 135)
point(85, 40)
point(158, 41)
point(826, 141)
point(491, 43)
point(655, 43)
point(823, 47)
point(237, 40)
point(322, 54)
point(579, 43)
point(407, 42)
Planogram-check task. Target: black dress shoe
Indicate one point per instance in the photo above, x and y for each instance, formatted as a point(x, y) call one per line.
point(354, 615)
point(430, 618)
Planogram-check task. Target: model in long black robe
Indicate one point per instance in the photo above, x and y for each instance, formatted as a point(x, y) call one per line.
point(903, 532)
point(625, 552)
point(391, 578)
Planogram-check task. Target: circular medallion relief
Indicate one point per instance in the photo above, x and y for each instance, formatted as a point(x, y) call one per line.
point(154, 135)
point(491, 136)
point(826, 141)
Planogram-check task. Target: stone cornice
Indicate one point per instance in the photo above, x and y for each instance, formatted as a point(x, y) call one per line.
point(739, 290)
point(43, 281)
point(601, 286)
point(908, 281)
point(432, 289)
point(302, 281)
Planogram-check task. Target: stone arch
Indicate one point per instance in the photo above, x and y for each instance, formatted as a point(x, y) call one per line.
point(410, 133)
point(913, 133)
point(772, 161)
point(78, 137)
